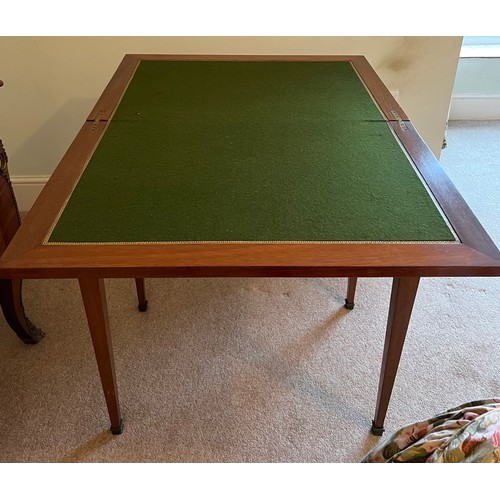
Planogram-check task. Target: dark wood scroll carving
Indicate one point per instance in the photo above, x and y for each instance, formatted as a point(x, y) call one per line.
point(11, 290)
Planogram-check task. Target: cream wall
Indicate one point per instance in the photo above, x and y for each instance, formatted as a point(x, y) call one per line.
point(51, 83)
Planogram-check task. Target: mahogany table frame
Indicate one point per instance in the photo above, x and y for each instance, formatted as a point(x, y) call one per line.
point(28, 257)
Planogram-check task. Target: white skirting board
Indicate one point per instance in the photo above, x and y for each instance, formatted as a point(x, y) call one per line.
point(475, 107)
point(27, 188)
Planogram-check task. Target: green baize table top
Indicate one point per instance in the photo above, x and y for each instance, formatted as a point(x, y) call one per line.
point(249, 151)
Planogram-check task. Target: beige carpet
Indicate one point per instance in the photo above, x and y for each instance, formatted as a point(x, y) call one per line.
point(253, 370)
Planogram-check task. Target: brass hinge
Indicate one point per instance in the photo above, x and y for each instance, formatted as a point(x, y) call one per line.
point(97, 119)
point(401, 122)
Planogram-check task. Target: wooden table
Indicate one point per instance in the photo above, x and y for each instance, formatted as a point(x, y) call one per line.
point(36, 253)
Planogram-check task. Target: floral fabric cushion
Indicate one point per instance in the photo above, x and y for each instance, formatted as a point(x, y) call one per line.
point(466, 433)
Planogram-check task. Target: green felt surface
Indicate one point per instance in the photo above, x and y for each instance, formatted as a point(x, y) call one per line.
point(248, 151)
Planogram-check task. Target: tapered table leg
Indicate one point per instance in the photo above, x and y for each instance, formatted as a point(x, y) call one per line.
point(94, 300)
point(351, 290)
point(13, 310)
point(141, 294)
point(404, 291)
